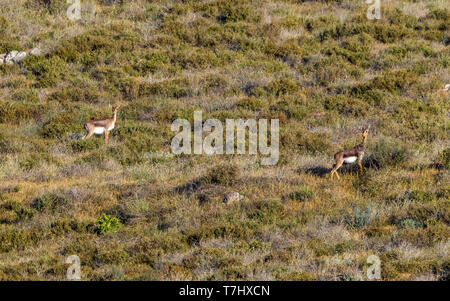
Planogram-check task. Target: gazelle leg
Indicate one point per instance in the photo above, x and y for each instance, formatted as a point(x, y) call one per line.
point(360, 166)
point(106, 137)
point(89, 134)
point(336, 167)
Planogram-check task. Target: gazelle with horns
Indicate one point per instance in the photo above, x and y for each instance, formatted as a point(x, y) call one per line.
point(101, 126)
point(351, 155)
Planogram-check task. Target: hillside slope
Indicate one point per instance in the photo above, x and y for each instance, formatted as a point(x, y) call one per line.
point(320, 67)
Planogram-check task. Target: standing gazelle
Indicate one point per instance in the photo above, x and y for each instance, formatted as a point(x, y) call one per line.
point(351, 155)
point(101, 126)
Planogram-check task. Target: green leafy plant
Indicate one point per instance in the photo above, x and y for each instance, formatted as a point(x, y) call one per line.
point(108, 223)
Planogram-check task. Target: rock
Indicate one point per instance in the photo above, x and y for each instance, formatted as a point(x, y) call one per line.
point(232, 197)
point(14, 57)
point(35, 51)
point(19, 57)
point(447, 87)
point(2, 58)
point(9, 57)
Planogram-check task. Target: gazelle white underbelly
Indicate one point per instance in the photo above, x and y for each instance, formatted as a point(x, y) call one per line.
point(350, 159)
point(99, 131)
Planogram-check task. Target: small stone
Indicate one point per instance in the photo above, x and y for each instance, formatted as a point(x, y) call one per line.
point(2, 58)
point(35, 51)
point(19, 57)
point(10, 56)
point(232, 197)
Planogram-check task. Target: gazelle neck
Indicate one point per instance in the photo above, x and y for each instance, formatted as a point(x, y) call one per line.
point(363, 143)
point(115, 116)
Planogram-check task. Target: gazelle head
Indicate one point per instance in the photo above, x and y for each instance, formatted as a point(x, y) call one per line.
point(365, 132)
point(115, 108)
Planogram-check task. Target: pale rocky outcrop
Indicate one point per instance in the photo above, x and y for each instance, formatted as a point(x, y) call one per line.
point(232, 197)
point(15, 57)
point(35, 51)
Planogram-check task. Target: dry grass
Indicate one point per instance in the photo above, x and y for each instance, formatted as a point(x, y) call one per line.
point(306, 64)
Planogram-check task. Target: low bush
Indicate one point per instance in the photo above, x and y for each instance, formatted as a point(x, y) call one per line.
point(387, 153)
point(443, 158)
point(359, 217)
point(85, 145)
point(108, 224)
point(223, 174)
point(48, 70)
point(51, 202)
point(305, 194)
point(252, 104)
point(15, 112)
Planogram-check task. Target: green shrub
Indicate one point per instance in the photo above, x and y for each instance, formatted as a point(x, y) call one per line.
point(385, 33)
point(443, 158)
point(346, 105)
point(214, 83)
point(50, 202)
point(58, 130)
point(7, 45)
point(306, 142)
point(20, 239)
point(169, 88)
point(88, 46)
point(408, 223)
point(282, 86)
point(387, 153)
point(393, 81)
point(85, 145)
point(6, 146)
point(356, 51)
point(14, 113)
point(235, 11)
point(302, 195)
point(439, 14)
point(359, 217)
point(94, 158)
point(22, 212)
point(60, 125)
point(52, 6)
point(3, 25)
point(25, 95)
point(421, 196)
point(67, 225)
point(76, 94)
point(108, 224)
point(155, 60)
point(48, 70)
point(289, 50)
point(298, 276)
point(31, 161)
point(111, 256)
point(267, 211)
point(224, 174)
point(251, 104)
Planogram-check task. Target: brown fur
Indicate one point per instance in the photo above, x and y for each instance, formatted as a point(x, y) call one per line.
point(357, 151)
point(105, 124)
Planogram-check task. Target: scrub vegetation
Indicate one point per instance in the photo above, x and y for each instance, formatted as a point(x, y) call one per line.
point(133, 211)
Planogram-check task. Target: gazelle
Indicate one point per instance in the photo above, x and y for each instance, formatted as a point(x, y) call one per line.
point(351, 155)
point(101, 126)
